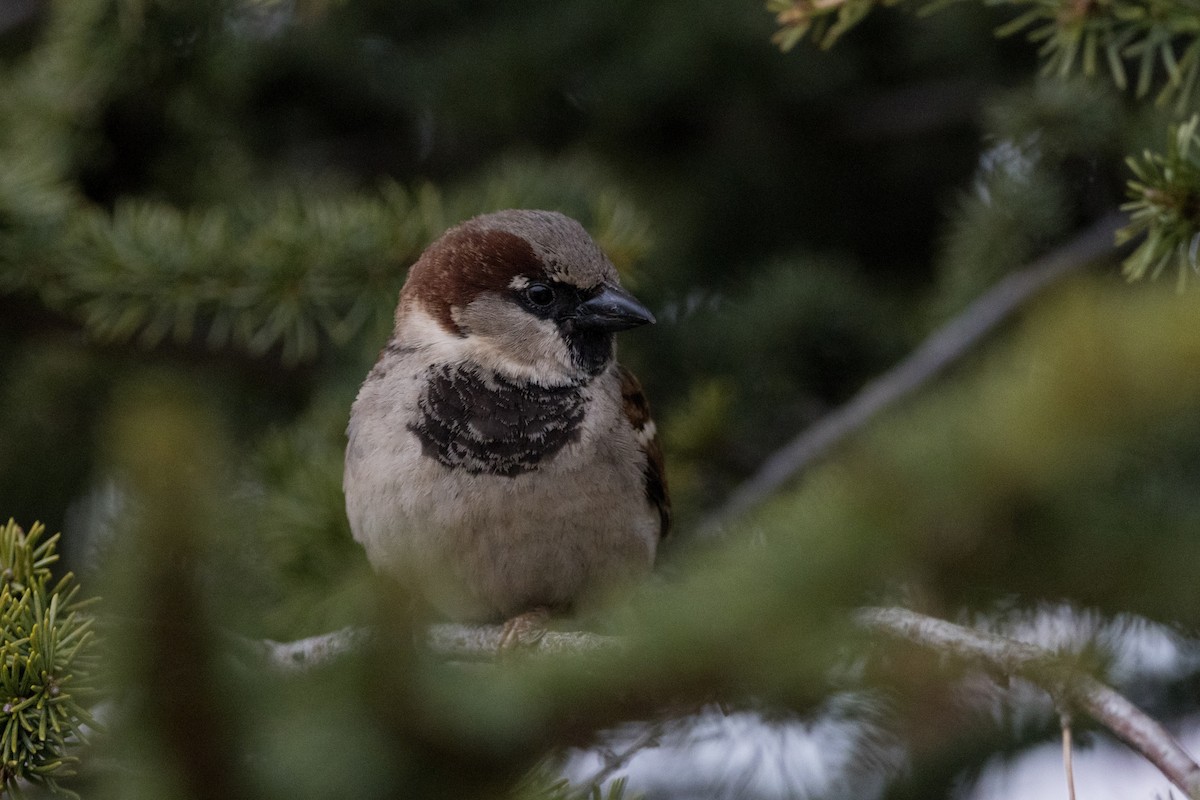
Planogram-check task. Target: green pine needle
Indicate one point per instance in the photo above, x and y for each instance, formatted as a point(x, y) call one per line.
point(1165, 206)
point(825, 20)
point(46, 647)
point(1160, 37)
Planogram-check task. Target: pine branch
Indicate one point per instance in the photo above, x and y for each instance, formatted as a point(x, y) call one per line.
point(824, 20)
point(46, 657)
point(1156, 37)
point(945, 346)
point(277, 273)
point(282, 274)
point(1074, 690)
point(1085, 36)
point(1165, 206)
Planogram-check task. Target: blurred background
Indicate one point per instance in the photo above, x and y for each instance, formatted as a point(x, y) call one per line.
point(206, 212)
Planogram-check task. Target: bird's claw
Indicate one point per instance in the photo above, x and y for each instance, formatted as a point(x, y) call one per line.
point(524, 630)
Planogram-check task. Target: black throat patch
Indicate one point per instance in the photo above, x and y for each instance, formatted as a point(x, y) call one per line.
point(492, 425)
point(591, 351)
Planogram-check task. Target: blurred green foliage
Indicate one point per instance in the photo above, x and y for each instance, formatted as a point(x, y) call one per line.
point(206, 211)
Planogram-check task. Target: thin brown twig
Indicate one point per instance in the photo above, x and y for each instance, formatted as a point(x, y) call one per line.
point(614, 760)
point(1073, 690)
point(943, 347)
point(1068, 754)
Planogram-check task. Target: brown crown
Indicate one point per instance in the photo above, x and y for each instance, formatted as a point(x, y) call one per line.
point(465, 263)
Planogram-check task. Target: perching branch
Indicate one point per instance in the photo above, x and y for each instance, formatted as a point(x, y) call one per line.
point(474, 642)
point(943, 347)
point(451, 641)
point(1076, 691)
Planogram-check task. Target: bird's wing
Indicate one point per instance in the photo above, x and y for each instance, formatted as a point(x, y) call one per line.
point(637, 411)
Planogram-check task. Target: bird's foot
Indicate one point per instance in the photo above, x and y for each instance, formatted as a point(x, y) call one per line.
point(524, 630)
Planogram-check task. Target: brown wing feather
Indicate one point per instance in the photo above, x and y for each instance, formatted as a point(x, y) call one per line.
point(637, 410)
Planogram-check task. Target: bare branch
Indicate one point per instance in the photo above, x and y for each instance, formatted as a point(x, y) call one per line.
point(314, 651)
point(1075, 690)
point(943, 347)
point(474, 642)
point(1068, 755)
point(616, 759)
point(452, 641)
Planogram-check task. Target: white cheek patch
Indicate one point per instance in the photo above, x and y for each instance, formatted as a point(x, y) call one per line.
point(419, 330)
point(645, 434)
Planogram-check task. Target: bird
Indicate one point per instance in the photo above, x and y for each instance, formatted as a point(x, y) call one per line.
point(500, 462)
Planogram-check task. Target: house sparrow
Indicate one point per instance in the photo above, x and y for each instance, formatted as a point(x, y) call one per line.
point(499, 460)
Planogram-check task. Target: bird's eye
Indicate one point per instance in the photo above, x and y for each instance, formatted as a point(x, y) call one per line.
point(540, 294)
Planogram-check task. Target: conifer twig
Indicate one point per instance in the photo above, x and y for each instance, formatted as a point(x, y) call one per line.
point(1073, 690)
point(943, 347)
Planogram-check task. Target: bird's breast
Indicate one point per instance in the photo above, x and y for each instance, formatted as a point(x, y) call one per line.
point(496, 495)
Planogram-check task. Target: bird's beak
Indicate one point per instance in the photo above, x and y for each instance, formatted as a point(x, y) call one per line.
point(614, 309)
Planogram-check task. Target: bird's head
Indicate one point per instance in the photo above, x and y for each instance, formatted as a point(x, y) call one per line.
point(526, 293)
